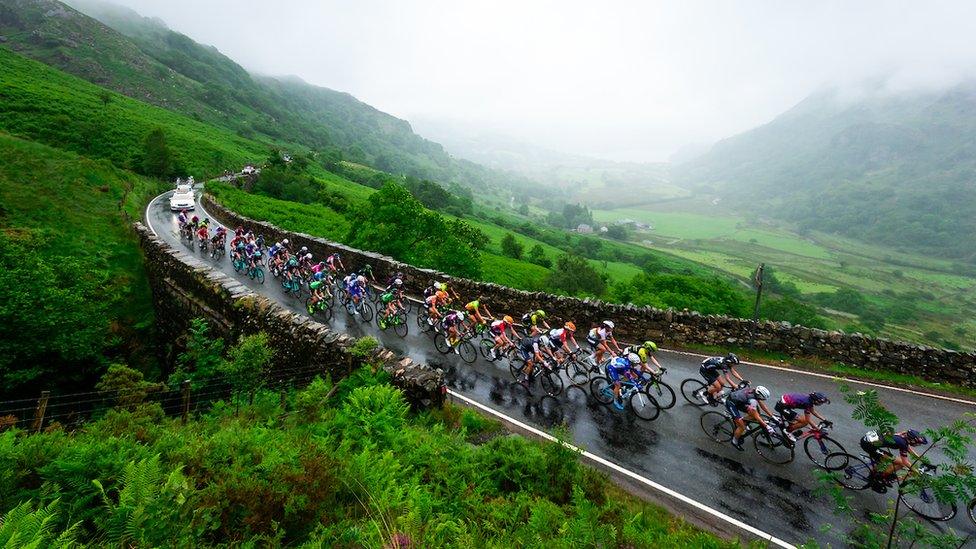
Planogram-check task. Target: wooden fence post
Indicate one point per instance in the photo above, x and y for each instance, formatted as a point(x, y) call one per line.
point(40, 410)
point(185, 389)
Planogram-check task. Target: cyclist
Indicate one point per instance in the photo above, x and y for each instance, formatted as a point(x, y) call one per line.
point(876, 446)
point(715, 370)
point(599, 339)
point(645, 352)
point(205, 222)
point(317, 288)
point(331, 262)
point(534, 349)
point(436, 300)
point(220, 235)
point(499, 330)
point(182, 219)
point(452, 323)
point(260, 241)
point(194, 222)
point(562, 336)
point(748, 401)
point(534, 322)
point(391, 299)
point(355, 289)
point(286, 245)
point(254, 255)
point(203, 235)
point(791, 402)
point(474, 312)
point(621, 366)
point(305, 261)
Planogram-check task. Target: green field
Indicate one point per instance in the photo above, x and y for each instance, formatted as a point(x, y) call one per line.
point(941, 291)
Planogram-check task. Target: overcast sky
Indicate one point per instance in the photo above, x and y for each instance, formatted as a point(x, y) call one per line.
point(619, 80)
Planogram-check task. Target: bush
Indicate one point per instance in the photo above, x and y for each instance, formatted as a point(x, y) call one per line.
point(511, 247)
point(576, 276)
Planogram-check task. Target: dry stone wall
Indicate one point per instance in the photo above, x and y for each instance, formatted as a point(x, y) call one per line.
point(184, 287)
point(668, 327)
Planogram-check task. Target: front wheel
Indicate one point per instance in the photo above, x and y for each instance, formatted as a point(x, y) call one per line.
point(400, 328)
point(602, 390)
point(717, 426)
point(366, 310)
point(259, 275)
point(644, 406)
point(441, 344)
point(467, 351)
point(818, 450)
point(486, 346)
point(663, 394)
point(692, 389)
point(972, 510)
point(771, 448)
point(551, 383)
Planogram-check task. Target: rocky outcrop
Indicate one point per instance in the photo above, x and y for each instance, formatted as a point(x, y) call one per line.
point(184, 287)
point(675, 328)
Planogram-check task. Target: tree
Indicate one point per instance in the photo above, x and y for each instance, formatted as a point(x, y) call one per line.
point(157, 159)
point(130, 385)
point(202, 357)
point(395, 223)
point(617, 232)
point(574, 275)
point(792, 311)
point(246, 363)
point(511, 247)
point(538, 256)
point(953, 483)
point(523, 209)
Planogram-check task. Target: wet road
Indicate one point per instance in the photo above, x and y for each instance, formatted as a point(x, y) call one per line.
point(672, 450)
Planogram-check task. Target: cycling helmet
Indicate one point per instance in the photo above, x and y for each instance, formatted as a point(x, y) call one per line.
point(285, 242)
point(915, 438)
point(398, 283)
point(441, 294)
point(308, 256)
point(459, 314)
point(608, 324)
point(508, 320)
point(442, 286)
point(570, 326)
point(545, 341)
point(633, 358)
point(762, 393)
point(819, 398)
point(541, 313)
point(361, 279)
point(304, 249)
point(650, 346)
point(731, 359)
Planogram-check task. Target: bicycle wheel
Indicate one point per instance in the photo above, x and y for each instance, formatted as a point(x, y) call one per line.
point(578, 373)
point(400, 326)
point(818, 450)
point(850, 471)
point(366, 310)
point(717, 426)
point(259, 275)
point(691, 388)
point(467, 351)
point(516, 366)
point(441, 344)
point(972, 510)
point(644, 405)
point(602, 390)
point(927, 506)
point(551, 383)
point(486, 346)
point(663, 394)
point(771, 448)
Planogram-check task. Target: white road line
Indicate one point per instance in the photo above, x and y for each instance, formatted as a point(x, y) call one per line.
point(837, 377)
point(148, 207)
point(647, 482)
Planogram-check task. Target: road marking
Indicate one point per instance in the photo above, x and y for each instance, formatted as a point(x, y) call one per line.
point(643, 480)
point(836, 377)
point(688, 353)
point(148, 207)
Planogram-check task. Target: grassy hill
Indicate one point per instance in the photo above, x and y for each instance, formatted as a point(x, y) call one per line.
point(893, 169)
point(143, 59)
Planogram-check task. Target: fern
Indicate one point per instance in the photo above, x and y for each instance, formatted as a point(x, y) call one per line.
point(24, 527)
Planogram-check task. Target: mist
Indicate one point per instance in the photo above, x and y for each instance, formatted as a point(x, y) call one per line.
point(624, 81)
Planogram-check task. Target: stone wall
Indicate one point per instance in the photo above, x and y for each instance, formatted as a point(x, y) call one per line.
point(184, 288)
point(668, 327)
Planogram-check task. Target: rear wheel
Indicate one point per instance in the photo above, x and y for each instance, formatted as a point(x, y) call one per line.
point(468, 353)
point(972, 510)
point(771, 448)
point(400, 328)
point(644, 406)
point(516, 366)
point(717, 426)
point(849, 471)
point(366, 310)
point(441, 344)
point(602, 390)
point(259, 275)
point(691, 389)
point(486, 346)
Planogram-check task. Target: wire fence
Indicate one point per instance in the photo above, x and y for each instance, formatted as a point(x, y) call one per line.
point(194, 396)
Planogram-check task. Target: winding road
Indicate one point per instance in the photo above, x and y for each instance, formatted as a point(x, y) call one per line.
point(672, 450)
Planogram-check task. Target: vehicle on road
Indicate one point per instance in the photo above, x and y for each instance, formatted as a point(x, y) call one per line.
point(183, 198)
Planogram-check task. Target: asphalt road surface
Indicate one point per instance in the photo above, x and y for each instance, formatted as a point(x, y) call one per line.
point(671, 450)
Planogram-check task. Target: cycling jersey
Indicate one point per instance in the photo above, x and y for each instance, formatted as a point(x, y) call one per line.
point(874, 444)
point(531, 319)
point(387, 298)
point(452, 319)
point(597, 335)
point(498, 327)
point(618, 367)
point(797, 401)
point(472, 306)
point(529, 346)
point(559, 334)
point(639, 351)
point(740, 401)
point(315, 284)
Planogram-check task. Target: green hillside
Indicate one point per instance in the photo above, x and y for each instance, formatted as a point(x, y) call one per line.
point(143, 59)
point(893, 169)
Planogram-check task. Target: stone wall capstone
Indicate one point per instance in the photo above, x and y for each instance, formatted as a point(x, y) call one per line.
point(184, 287)
point(668, 327)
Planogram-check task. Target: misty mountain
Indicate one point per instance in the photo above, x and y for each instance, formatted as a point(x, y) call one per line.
point(894, 168)
point(141, 57)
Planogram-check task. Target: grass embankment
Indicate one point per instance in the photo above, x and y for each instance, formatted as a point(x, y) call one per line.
point(357, 471)
point(71, 205)
point(42, 104)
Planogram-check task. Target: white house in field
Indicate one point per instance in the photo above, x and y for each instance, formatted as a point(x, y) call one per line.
point(583, 228)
